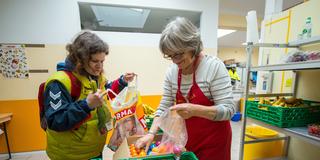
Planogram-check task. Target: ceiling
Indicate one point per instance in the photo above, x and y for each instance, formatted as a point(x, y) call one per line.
point(241, 7)
point(104, 17)
point(158, 18)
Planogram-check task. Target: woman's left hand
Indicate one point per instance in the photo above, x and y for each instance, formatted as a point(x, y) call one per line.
point(128, 77)
point(185, 110)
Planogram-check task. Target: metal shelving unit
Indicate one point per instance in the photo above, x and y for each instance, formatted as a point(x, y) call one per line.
point(300, 132)
point(304, 42)
point(289, 66)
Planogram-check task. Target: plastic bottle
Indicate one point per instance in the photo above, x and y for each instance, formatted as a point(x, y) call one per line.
point(307, 29)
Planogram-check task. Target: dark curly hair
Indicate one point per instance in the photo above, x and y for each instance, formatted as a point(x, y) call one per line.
point(80, 50)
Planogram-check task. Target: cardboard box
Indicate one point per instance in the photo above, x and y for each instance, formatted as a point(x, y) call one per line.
point(124, 151)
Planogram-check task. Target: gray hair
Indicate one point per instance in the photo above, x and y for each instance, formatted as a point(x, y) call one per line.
point(180, 35)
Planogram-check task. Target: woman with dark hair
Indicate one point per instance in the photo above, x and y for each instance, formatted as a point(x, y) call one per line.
point(74, 100)
point(198, 88)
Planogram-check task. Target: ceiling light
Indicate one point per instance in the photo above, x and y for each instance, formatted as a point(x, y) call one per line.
point(120, 17)
point(223, 32)
point(137, 9)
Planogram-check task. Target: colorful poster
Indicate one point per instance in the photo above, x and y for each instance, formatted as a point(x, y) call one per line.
point(13, 62)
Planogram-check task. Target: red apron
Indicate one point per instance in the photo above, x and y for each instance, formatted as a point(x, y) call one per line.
point(209, 140)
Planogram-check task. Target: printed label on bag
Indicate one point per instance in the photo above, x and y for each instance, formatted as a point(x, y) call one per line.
point(125, 113)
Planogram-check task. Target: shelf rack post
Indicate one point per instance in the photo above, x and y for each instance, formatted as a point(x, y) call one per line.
point(249, 50)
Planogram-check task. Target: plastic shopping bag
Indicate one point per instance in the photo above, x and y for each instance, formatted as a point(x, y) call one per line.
point(128, 115)
point(175, 135)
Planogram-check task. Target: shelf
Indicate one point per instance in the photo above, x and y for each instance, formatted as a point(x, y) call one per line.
point(300, 132)
point(270, 45)
point(289, 66)
point(312, 40)
point(293, 44)
point(268, 139)
point(270, 95)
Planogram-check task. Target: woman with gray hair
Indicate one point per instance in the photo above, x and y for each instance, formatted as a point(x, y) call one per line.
point(198, 88)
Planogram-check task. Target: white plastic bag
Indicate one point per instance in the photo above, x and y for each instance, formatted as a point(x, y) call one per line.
point(127, 97)
point(128, 115)
point(175, 135)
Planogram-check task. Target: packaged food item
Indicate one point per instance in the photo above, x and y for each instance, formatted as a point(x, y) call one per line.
point(314, 129)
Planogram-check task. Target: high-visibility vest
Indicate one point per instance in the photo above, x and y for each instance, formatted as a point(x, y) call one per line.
point(234, 75)
point(84, 142)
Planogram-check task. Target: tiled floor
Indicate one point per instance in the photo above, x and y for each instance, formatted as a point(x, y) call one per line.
point(41, 155)
point(236, 133)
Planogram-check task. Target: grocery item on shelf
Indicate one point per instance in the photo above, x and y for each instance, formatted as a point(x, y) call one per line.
point(314, 55)
point(307, 30)
point(148, 110)
point(284, 112)
point(283, 102)
point(300, 56)
point(314, 129)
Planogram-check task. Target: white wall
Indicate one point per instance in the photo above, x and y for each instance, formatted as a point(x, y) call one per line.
point(38, 21)
point(56, 21)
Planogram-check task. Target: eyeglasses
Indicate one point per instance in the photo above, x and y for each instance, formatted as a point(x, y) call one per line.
point(174, 56)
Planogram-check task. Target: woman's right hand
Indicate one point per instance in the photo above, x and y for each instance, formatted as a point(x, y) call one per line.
point(95, 100)
point(145, 141)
